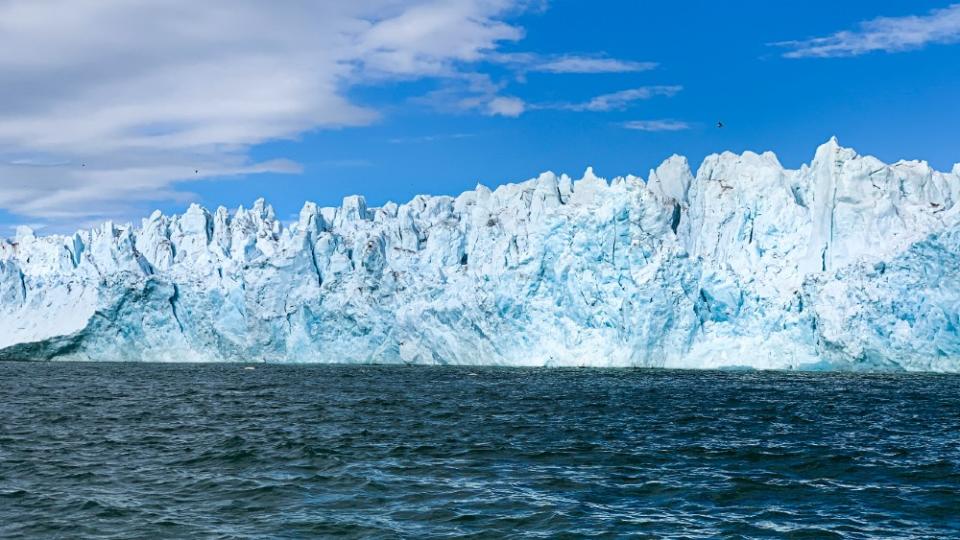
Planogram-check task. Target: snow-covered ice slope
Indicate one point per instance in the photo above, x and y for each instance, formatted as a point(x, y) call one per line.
point(847, 263)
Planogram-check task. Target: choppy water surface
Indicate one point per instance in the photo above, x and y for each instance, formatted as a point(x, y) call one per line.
point(302, 451)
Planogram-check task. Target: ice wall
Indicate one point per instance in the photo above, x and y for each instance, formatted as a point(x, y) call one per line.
point(847, 263)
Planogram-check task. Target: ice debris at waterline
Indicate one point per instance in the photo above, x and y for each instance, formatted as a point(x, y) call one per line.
point(847, 263)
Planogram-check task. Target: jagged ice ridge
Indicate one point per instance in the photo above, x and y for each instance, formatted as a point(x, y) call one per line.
point(847, 263)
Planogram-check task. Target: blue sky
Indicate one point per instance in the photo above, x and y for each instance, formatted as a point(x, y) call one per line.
point(113, 109)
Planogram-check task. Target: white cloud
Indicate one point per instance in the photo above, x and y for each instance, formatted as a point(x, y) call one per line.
point(887, 34)
point(506, 106)
point(464, 92)
point(106, 105)
point(568, 63)
point(579, 64)
point(477, 92)
point(618, 100)
point(657, 125)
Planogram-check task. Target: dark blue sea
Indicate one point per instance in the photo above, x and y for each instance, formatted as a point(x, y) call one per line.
point(219, 451)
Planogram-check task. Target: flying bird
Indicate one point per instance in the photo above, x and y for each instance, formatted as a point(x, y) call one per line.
point(720, 124)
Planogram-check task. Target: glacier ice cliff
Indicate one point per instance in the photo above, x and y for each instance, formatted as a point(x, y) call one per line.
point(846, 263)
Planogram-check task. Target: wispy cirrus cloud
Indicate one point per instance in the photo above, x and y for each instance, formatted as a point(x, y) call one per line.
point(581, 64)
point(478, 92)
point(618, 100)
point(568, 63)
point(483, 97)
point(472, 92)
point(886, 34)
point(657, 125)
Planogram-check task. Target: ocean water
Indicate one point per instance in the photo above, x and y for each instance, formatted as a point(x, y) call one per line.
point(197, 451)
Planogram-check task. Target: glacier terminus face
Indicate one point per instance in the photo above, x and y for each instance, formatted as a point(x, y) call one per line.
point(846, 263)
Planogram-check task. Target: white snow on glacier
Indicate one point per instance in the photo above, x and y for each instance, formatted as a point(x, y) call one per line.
point(846, 263)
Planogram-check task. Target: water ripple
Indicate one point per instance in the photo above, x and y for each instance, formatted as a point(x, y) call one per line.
point(120, 451)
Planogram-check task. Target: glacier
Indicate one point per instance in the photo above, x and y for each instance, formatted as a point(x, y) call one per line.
point(846, 263)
